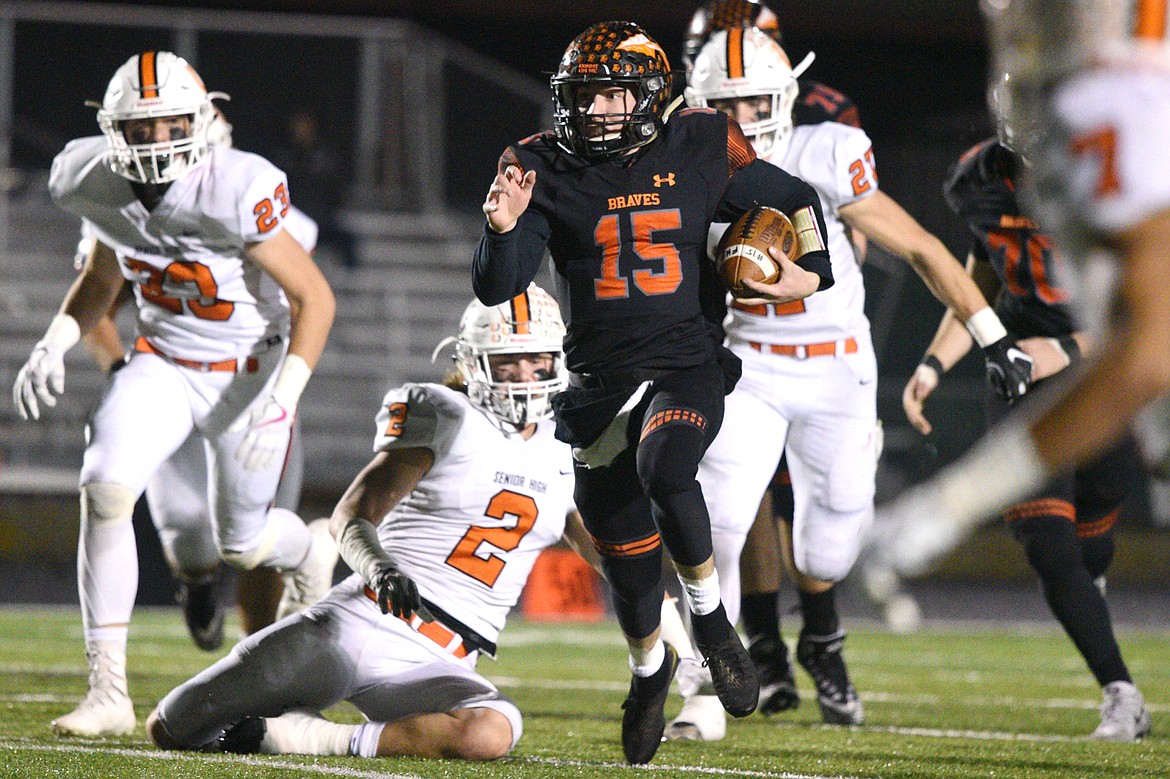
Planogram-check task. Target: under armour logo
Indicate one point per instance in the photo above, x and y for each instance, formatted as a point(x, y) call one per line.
point(668, 180)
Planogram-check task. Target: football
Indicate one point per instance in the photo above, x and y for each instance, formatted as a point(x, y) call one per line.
point(743, 249)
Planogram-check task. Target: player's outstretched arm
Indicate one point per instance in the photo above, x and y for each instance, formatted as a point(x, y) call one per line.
point(884, 221)
point(388, 478)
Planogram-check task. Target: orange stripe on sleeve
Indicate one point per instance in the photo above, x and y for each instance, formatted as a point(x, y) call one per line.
point(148, 74)
point(735, 53)
point(1150, 20)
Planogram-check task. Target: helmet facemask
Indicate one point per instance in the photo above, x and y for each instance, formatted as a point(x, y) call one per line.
point(608, 55)
point(156, 85)
point(529, 324)
point(758, 69)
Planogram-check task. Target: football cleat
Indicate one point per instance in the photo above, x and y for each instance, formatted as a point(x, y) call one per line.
point(777, 685)
point(308, 584)
point(106, 709)
point(643, 720)
point(1124, 716)
point(203, 611)
point(821, 657)
point(701, 719)
point(732, 672)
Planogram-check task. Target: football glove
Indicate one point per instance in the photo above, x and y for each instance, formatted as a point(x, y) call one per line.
point(268, 426)
point(397, 593)
point(1009, 369)
point(42, 377)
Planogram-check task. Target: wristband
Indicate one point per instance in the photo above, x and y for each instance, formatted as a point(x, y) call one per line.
point(985, 327)
point(290, 382)
point(63, 332)
point(934, 363)
point(1070, 347)
point(359, 547)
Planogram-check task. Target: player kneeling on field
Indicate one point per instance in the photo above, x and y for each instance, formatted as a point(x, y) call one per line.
point(399, 639)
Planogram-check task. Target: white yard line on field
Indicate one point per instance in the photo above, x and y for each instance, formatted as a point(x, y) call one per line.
point(693, 769)
point(189, 757)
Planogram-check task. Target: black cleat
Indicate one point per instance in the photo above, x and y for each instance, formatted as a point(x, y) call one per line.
point(203, 612)
point(643, 722)
point(734, 675)
point(244, 737)
point(821, 657)
point(777, 685)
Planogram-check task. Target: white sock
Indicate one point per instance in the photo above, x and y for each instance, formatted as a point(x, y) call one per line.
point(107, 572)
point(646, 662)
point(673, 631)
point(115, 637)
point(364, 741)
point(702, 594)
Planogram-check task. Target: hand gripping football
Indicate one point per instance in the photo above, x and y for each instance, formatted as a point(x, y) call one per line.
point(743, 249)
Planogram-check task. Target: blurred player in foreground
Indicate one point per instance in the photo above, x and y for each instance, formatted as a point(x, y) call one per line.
point(232, 314)
point(1067, 528)
point(1096, 77)
point(809, 382)
point(467, 485)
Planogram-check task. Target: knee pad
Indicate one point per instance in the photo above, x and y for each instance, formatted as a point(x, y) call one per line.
point(106, 503)
point(829, 541)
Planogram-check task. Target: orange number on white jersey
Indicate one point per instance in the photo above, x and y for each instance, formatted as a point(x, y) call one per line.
point(192, 276)
point(503, 504)
point(1101, 143)
point(864, 173)
point(397, 420)
point(265, 212)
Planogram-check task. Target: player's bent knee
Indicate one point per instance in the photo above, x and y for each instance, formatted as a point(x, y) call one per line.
point(485, 734)
point(107, 503)
point(158, 733)
point(245, 559)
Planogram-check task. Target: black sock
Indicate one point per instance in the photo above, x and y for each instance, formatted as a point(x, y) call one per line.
point(761, 617)
point(820, 612)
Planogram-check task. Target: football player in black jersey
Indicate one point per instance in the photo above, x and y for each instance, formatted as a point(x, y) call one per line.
point(622, 194)
point(1066, 529)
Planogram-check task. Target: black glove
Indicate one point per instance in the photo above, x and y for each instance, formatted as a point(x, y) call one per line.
point(1009, 369)
point(397, 593)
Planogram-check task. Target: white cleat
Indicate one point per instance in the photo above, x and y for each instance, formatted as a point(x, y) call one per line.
point(308, 584)
point(106, 709)
point(1124, 716)
point(702, 718)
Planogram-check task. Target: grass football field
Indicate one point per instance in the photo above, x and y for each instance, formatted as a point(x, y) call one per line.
point(951, 701)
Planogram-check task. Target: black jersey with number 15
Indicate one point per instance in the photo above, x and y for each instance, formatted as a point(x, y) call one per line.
point(628, 239)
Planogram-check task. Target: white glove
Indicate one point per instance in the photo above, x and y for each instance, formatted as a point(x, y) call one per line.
point(268, 426)
point(43, 376)
point(269, 423)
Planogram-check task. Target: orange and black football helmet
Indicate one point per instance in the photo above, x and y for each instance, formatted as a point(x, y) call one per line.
point(619, 54)
point(715, 15)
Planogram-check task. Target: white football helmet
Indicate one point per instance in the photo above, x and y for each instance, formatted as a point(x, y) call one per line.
point(149, 85)
point(529, 323)
point(746, 62)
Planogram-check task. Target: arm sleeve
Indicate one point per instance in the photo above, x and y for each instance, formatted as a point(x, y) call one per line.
point(504, 264)
point(762, 183)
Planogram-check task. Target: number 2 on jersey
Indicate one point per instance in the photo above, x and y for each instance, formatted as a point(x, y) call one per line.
point(644, 224)
point(504, 503)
